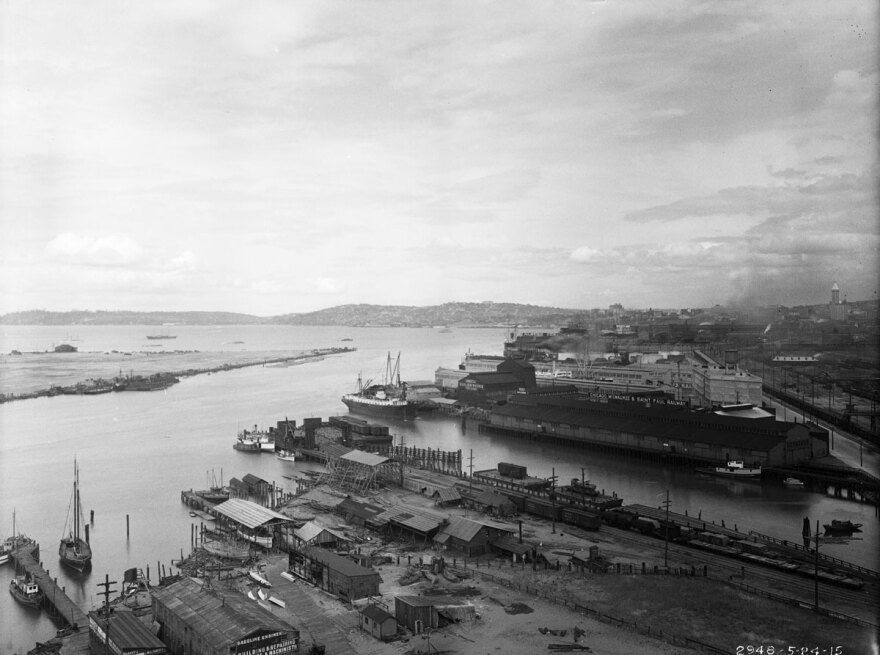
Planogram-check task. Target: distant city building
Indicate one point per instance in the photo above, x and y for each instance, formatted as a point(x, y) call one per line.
point(721, 385)
point(836, 308)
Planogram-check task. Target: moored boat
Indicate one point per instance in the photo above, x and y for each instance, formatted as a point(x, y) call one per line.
point(837, 527)
point(25, 590)
point(286, 455)
point(254, 441)
point(792, 482)
point(74, 551)
point(387, 400)
point(734, 469)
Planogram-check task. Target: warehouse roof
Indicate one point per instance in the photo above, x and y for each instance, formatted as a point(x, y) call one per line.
point(334, 450)
point(129, 633)
point(219, 619)
point(494, 378)
point(361, 457)
point(376, 613)
point(248, 514)
point(491, 499)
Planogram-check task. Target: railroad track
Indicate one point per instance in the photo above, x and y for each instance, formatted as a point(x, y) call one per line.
point(856, 603)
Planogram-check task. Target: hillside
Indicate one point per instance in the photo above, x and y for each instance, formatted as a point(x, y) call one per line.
point(451, 314)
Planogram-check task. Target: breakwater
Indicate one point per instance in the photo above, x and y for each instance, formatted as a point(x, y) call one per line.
point(163, 379)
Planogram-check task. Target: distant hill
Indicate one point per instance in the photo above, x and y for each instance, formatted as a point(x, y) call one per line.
point(42, 317)
point(454, 314)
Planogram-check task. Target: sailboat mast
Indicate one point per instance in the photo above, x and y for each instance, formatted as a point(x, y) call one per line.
point(75, 501)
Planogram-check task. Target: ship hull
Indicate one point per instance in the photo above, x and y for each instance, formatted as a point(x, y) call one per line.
point(400, 412)
point(77, 556)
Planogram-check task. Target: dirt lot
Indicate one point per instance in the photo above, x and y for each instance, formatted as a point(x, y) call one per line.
point(513, 619)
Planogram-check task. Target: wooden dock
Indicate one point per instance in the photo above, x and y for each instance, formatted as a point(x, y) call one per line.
point(55, 600)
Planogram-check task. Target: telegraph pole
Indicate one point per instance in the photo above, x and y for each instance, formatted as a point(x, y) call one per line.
point(553, 497)
point(106, 594)
point(470, 482)
point(816, 568)
point(666, 534)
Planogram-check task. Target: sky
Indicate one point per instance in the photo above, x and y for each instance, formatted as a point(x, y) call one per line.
point(284, 157)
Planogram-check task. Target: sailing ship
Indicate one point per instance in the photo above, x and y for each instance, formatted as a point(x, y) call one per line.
point(386, 400)
point(74, 551)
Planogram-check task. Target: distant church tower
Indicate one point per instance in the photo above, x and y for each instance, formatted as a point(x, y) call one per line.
point(836, 309)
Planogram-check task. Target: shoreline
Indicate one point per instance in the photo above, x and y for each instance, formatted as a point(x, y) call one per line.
point(164, 379)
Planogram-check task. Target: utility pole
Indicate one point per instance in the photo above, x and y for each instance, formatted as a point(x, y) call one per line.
point(401, 456)
point(470, 482)
point(666, 534)
point(106, 594)
point(816, 568)
point(553, 497)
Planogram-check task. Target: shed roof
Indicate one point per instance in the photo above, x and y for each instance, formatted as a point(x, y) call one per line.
point(412, 518)
point(334, 450)
point(491, 499)
point(312, 529)
point(363, 511)
point(252, 479)
point(376, 613)
point(365, 458)
point(220, 619)
point(447, 494)
point(511, 544)
point(466, 529)
point(248, 514)
point(338, 563)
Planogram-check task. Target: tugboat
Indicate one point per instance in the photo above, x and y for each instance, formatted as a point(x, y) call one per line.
point(839, 528)
point(25, 590)
point(74, 551)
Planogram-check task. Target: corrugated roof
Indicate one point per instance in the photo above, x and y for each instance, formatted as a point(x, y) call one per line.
point(248, 514)
point(343, 565)
point(220, 619)
point(447, 494)
point(127, 632)
point(361, 457)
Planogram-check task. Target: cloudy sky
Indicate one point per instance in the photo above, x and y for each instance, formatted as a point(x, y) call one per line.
point(274, 157)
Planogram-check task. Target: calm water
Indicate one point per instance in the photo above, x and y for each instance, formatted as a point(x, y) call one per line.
point(136, 451)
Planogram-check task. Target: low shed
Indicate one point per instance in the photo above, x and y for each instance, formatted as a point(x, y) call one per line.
point(378, 622)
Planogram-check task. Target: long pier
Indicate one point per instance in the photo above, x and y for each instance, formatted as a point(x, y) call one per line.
point(55, 599)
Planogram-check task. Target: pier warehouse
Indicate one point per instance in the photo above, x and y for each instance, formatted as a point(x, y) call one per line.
point(200, 621)
point(667, 432)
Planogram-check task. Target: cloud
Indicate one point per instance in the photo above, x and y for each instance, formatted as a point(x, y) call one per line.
point(95, 251)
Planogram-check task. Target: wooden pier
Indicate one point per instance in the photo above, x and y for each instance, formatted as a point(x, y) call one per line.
point(55, 600)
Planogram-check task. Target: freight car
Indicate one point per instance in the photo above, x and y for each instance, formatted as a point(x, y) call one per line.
point(543, 508)
point(581, 518)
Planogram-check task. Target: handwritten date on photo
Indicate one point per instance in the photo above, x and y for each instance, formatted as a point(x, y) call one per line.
point(789, 650)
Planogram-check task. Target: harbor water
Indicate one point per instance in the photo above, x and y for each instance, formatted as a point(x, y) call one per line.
point(137, 451)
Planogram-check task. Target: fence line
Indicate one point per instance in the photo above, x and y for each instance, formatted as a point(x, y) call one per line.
point(643, 629)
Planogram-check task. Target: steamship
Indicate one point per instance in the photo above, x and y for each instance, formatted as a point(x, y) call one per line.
point(386, 400)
